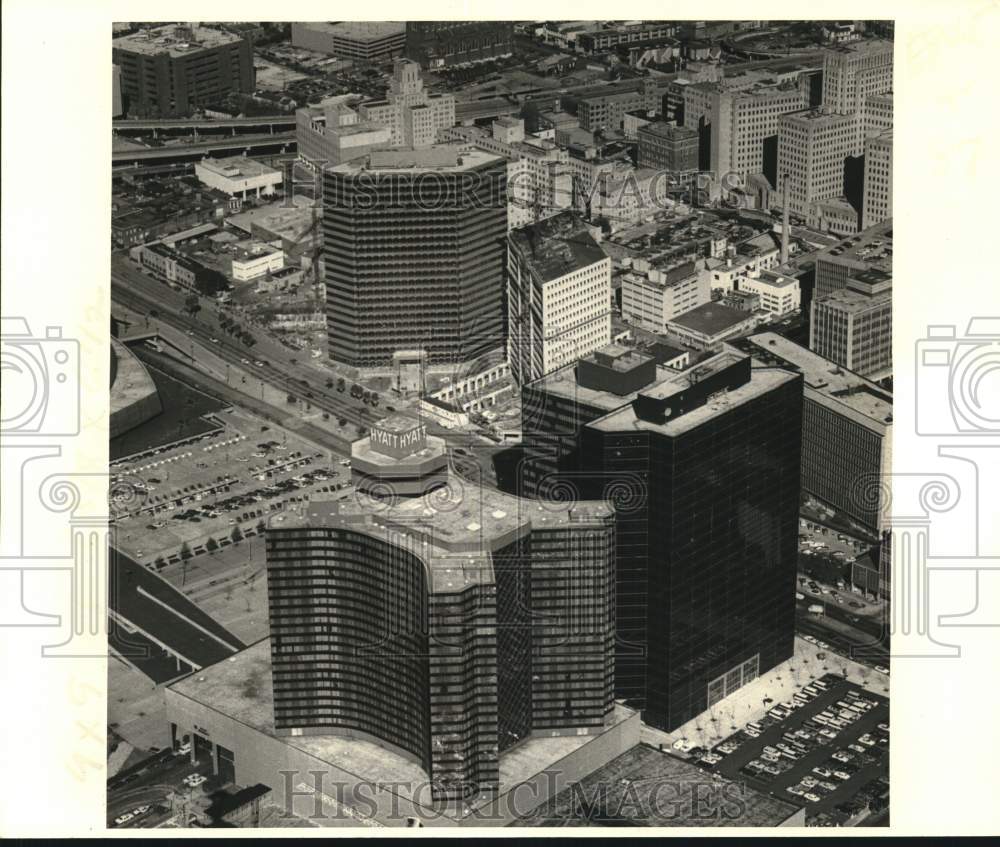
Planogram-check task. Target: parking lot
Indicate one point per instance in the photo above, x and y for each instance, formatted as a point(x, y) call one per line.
point(825, 748)
point(215, 490)
point(163, 791)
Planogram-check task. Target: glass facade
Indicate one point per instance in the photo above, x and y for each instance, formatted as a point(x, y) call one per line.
point(706, 572)
point(447, 657)
point(415, 261)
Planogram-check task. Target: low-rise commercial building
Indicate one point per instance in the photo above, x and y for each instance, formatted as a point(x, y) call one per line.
point(238, 176)
point(779, 294)
point(256, 260)
point(360, 41)
point(868, 250)
point(707, 327)
point(652, 297)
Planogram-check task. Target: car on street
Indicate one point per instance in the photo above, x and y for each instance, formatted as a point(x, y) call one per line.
point(123, 819)
point(812, 798)
point(821, 771)
point(214, 340)
point(842, 775)
point(882, 669)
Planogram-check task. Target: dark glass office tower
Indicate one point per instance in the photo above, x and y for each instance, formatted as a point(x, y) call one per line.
point(703, 470)
point(414, 246)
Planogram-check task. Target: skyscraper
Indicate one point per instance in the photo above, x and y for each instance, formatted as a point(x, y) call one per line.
point(703, 469)
point(413, 242)
point(851, 73)
point(559, 296)
point(447, 625)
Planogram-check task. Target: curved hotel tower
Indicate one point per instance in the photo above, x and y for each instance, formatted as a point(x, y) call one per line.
point(443, 621)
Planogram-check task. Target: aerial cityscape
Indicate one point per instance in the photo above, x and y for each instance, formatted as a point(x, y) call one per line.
point(499, 419)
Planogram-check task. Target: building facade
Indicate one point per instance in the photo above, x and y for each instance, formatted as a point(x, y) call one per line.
point(813, 146)
point(413, 116)
point(846, 430)
point(779, 295)
point(651, 297)
point(707, 538)
point(668, 148)
point(854, 329)
point(853, 72)
point(413, 243)
point(876, 206)
point(238, 176)
point(558, 296)
point(735, 123)
point(333, 132)
point(445, 640)
point(167, 71)
point(439, 44)
point(359, 41)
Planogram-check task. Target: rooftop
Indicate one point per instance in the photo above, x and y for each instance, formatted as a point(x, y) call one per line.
point(817, 117)
point(238, 167)
point(456, 518)
point(852, 302)
point(441, 158)
point(865, 46)
point(871, 248)
point(241, 688)
point(556, 246)
point(823, 377)
point(174, 39)
point(669, 131)
point(563, 383)
point(761, 381)
point(360, 30)
point(710, 319)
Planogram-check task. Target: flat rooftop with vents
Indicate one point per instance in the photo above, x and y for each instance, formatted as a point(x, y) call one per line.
point(851, 393)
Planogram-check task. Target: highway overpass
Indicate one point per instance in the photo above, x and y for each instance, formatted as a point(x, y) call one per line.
point(252, 145)
point(230, 126)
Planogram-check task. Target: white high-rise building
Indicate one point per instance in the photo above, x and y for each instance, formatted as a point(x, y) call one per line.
point(558, 295)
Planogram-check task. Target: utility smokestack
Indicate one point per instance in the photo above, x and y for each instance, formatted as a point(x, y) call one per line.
point(784, 219)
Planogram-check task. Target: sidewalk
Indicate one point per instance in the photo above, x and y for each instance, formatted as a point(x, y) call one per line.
point(778, 685)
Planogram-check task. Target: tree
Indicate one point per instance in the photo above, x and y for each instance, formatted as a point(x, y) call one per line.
point(342, 422)
point(329, 382)
point(341, 385)
point(236, 535)
point(186, 551)
point(211, 545)
point(291, 398)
